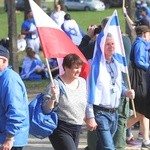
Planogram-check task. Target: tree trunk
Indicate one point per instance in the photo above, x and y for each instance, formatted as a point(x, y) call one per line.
point(130, 5)
point(27, 7)
point(61, 2)
point(12, 33)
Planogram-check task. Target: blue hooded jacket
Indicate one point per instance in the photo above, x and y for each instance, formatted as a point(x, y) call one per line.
point(14, 114)
point(140, 53)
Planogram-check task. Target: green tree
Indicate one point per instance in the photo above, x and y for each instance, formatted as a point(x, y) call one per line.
point(130, 5)
point(27, 7)
point(12, 33)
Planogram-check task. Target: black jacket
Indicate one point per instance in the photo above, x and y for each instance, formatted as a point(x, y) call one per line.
point(87, 47)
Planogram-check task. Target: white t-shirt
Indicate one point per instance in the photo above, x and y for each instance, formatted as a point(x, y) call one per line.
point(58, 17)
point(21, 44)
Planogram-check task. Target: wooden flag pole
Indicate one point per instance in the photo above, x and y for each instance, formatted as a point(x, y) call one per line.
point(132, 101)
point(49, 71)
point(123, 4)
point(128, 79)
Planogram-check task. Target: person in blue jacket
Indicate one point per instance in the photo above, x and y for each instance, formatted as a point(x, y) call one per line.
point(28, 28)
point(14, 115)
point(138, 8)
point(140, 59)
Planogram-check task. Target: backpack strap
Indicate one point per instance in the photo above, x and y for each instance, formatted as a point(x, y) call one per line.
point(61, 91)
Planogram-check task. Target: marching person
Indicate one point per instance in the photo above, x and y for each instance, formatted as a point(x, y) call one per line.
point(140, 60)
point(14, 115)
point(70, 90)
point(101, 114)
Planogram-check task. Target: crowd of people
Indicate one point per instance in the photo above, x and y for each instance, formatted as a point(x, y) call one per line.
point(108, 117)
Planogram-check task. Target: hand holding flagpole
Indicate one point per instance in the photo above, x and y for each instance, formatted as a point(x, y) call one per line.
point(54, 98)
point(49, 71)
point(53, 40)
point(132, 101)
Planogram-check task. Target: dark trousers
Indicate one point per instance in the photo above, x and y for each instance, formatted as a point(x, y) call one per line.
point(17, 148)
point(120, 135)
point(66, 136)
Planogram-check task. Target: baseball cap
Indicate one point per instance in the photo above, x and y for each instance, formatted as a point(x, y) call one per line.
point(4, 52)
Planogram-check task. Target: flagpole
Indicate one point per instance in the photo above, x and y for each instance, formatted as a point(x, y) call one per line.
point(123, 4)
point(132, 101)
point(128, 78)
point(50, 74)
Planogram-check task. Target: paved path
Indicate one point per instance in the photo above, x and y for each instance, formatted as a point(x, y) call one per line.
point(44, 144)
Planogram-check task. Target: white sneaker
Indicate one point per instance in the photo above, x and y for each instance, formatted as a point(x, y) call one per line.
point(145, 146)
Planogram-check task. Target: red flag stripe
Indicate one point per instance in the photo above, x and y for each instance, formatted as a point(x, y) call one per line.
point(54, 42)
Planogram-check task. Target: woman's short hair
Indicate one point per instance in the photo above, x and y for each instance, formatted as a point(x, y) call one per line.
point(29, 50)
point(72, 59)
point(142, 29)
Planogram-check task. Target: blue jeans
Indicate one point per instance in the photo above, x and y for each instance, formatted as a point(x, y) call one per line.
point(107, 126)
point(66, 136)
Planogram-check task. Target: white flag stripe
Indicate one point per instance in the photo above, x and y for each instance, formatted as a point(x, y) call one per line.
point(43, 19)
point(99, 79)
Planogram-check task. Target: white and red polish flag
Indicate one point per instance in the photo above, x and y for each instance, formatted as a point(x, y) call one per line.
point(55, 43)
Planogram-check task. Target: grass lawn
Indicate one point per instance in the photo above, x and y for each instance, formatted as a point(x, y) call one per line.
point(35, 87)
point(84, 19)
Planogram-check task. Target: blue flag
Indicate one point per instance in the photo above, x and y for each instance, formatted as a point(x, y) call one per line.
point(99, 77)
